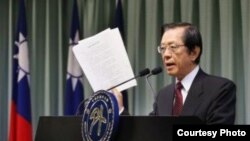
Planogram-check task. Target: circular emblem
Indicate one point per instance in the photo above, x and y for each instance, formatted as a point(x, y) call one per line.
point(100, 117)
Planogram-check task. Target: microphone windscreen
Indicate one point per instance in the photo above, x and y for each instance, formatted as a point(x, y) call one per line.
point(156, 70)
point(144, 72)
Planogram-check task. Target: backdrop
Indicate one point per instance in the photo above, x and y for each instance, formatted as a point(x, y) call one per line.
point(224, 25)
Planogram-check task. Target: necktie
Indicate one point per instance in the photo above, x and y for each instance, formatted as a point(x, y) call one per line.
point(178, 104)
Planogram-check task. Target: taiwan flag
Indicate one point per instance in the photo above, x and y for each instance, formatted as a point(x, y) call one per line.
point(20, 115)
point(118, 22)
point(74, 83)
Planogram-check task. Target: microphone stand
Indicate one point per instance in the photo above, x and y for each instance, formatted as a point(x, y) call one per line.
point(141, 73)
point(151, 88)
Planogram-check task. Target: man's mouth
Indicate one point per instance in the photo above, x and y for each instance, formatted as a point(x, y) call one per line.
point(169, 64)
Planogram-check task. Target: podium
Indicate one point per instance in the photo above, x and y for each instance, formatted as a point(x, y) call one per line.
point(131, 128)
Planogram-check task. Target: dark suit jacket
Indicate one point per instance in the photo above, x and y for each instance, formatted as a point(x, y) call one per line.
point(210, 98)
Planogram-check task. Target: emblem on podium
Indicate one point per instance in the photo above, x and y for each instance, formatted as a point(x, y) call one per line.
point(100, 117)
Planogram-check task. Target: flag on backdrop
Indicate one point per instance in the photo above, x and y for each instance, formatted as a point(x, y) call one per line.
point(118, 19)
point(118, 22)
point(20, 115)
point(74, 82)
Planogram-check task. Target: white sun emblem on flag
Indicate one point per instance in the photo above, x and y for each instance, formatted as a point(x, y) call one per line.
point(22, 56)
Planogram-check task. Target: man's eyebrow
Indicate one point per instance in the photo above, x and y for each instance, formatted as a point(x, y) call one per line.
point(170, 43)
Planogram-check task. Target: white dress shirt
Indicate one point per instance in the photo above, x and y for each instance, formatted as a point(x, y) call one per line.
point(187, 82)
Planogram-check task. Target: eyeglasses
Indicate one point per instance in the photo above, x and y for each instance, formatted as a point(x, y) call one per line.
point(172, 48)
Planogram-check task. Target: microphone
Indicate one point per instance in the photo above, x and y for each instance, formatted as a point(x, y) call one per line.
point(155, 71)
point(141, 74)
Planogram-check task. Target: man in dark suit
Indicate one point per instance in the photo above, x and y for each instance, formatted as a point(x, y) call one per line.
point(194, 92)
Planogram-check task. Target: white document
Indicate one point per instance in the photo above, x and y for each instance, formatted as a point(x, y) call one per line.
point(104, 60)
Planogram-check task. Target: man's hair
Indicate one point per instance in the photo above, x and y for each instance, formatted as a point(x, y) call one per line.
point(191, 37)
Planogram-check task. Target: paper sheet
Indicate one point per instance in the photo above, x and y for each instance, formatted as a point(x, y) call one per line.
point(104, 60)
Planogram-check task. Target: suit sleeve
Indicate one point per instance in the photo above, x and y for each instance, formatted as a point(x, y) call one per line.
point(155, 107)
point(154, 112)
point(125, 113)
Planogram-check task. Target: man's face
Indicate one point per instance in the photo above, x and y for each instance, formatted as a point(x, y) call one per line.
point(178, 61)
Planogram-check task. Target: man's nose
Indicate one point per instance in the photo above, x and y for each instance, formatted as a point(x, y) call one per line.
point(167, 54)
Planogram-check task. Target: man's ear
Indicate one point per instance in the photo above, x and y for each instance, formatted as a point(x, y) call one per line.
point(195, 53)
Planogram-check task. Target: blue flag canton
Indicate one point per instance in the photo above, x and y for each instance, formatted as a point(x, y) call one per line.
point(118, 21)
point(75, 23)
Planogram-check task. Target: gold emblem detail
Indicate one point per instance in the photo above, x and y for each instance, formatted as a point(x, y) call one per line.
point(97, 118)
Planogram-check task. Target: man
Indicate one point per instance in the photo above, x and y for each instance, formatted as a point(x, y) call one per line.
point(194, 92)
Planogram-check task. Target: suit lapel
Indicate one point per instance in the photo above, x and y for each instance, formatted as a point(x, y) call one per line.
point(193, 98)
point(169, 101)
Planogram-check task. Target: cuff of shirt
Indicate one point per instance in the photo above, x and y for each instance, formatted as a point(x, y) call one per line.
point(122, 109)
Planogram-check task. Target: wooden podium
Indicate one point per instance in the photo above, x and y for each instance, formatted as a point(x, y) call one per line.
point(131, 128)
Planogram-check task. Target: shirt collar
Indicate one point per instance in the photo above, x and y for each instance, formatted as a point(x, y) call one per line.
point(188, 79)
